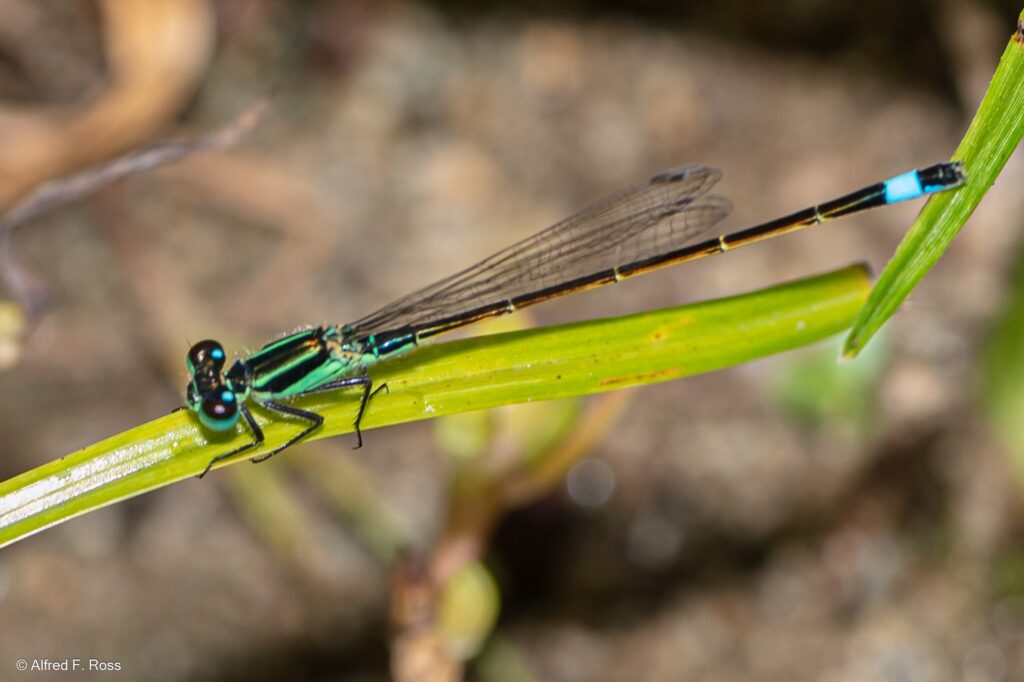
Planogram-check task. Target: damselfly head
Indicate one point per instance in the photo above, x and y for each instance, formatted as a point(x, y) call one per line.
point(208, 395)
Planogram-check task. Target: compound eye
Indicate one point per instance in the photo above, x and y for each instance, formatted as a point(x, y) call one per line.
point(219, 411)
point(208, 354)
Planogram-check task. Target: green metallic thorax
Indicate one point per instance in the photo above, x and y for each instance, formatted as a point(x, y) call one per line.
point(306, 360)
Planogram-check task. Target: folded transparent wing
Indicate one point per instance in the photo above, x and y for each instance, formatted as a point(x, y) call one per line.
point(653, 217)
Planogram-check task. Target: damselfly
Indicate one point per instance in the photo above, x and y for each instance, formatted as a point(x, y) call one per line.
point(644, 227)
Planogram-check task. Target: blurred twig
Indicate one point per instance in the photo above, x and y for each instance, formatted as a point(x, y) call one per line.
point(418, 650)
point(155, 53)
point(28, 289)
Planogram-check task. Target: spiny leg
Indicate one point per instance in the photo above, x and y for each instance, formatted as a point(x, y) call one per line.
point(258, 438)
point(366, 382)
point(315, 421)
point(367, 396)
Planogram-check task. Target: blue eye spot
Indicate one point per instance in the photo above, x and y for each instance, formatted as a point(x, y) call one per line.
point(217, 354)
point(227, 396)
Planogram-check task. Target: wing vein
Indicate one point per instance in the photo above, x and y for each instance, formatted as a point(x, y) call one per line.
point(658, 215)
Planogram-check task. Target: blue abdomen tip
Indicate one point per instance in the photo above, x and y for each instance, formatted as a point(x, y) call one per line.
point(903, 187)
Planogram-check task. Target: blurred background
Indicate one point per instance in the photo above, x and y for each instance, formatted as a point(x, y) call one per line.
point(790, 519)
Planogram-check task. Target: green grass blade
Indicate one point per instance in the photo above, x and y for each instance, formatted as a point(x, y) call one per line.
point(458, 376)
point(991, 138)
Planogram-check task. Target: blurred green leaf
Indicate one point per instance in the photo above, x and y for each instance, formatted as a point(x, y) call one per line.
point(458, 376)
point(1007, 573)
point(469, 609)
point(818, 391)
point(501, 661)
point(1002, 378)
point(465, 436)
point(351, 492)
point(265, 499)
point(992, 136)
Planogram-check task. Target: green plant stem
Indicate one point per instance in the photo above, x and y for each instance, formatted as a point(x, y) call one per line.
point(990, 140)
point(458, 376)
